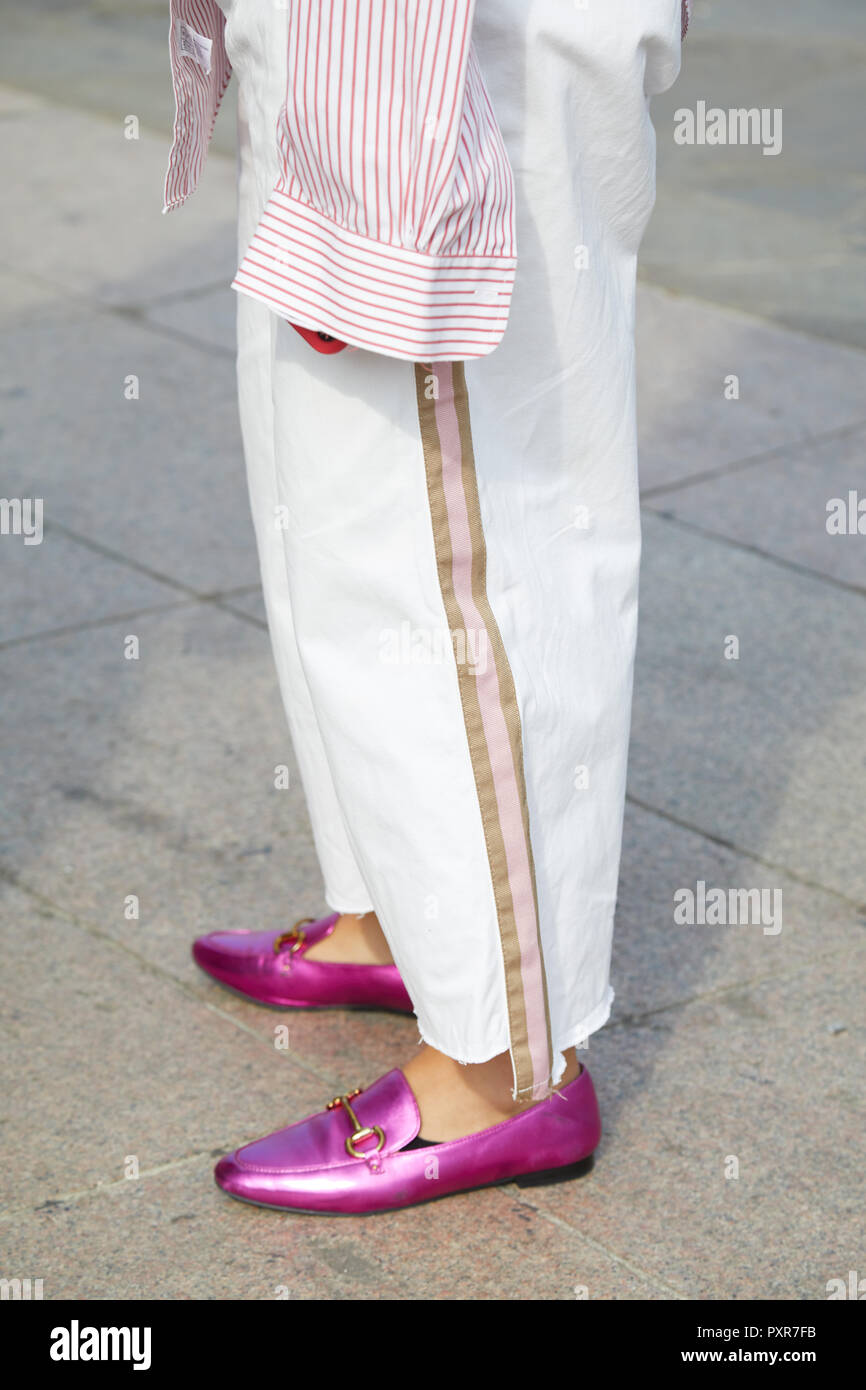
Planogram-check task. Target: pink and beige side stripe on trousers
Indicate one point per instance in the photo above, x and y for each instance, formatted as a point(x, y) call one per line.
point(447, 515)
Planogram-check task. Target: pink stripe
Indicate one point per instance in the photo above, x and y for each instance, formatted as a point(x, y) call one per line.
point(495, 729)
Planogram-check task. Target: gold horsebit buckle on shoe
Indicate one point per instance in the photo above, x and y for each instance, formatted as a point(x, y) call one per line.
point(360, 1131)
point(297, 936)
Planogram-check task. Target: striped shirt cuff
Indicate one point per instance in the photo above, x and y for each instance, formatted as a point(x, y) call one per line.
point(391, 299)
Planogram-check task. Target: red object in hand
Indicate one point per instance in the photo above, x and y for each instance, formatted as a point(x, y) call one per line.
point(322, 342)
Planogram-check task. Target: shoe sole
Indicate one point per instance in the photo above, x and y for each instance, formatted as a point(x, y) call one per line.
point(543, 1178)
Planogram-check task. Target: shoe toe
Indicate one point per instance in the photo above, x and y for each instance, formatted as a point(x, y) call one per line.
point(266, 1186)
point(230, 950)
point(229, 1175)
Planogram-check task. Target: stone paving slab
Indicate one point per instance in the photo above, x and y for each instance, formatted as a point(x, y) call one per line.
point(745, 253)
point(175, 1236)
point(93, 224)
point(659, 959)
point(106, 800)
point(763, 751)
point(784, 505)
point(15, 102)
point(103, 1059)
point(791, 388)
point(250, 605)
point(108, 58)
point(93, 587)
point(158, 480)
point(777, 235)
point(104, 782)
point(770, 1076)
point(207, 317)
point(776, 1087)
point(780, 1097)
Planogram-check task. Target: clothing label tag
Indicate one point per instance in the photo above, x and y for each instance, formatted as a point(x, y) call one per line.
point(193, 45)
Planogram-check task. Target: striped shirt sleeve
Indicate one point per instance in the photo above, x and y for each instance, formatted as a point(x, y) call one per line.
point(392, 223)
point(200, 73)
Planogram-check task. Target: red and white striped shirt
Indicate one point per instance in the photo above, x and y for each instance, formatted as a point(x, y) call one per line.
point(392, 223)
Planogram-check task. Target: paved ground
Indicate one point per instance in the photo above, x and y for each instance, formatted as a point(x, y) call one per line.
point(154, 777)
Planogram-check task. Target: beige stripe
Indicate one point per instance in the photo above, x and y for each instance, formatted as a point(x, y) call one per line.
point(526, 1080)
point(506, 678)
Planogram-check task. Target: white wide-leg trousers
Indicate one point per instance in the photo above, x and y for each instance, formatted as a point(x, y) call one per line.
point(450, 552)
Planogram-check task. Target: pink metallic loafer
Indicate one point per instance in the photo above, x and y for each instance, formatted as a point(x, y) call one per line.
point(272, 968)
point(353, 1158)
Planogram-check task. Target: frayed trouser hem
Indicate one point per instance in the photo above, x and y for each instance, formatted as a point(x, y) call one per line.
point(577, 1035)
point(347, 910)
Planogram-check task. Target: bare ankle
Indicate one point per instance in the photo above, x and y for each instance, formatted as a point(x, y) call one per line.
point(455, 1100)
point(357, 939)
